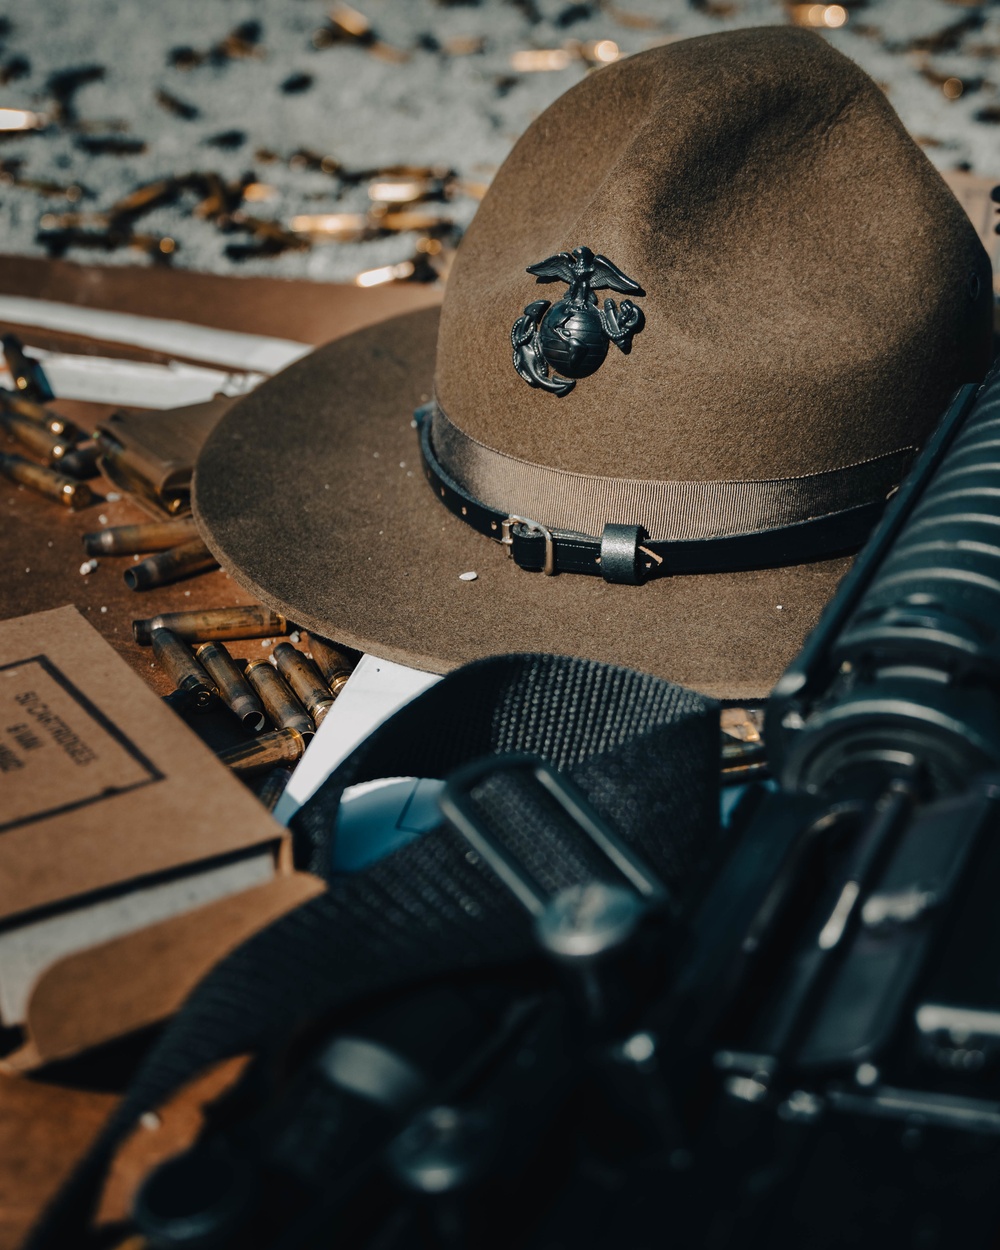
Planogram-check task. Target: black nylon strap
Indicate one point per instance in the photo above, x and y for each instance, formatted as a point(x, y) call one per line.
point(643, 752)
point(819, 538)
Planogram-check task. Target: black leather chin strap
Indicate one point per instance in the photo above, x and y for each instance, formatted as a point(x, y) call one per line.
point(624, 554)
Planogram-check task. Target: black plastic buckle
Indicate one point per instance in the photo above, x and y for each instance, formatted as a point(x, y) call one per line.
point(459, 810)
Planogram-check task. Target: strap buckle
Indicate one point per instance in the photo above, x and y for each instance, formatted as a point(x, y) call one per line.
point(534, 527)
point(459, 808)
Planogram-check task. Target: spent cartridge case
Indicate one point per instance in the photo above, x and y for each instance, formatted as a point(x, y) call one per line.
point(273, 786)
point(335, 666)
point(282, 707)
point(305, 680)
point(185, 560)
point(35, 437)
point(11, 401)
point(47, 482)
point(55, 449)
point(127, 540)
point(282, 746)
point(174, 656)
point(234, 689)
point(28, 375)
point(214, 624)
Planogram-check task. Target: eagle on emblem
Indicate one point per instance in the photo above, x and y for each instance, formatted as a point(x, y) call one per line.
point(555, 344)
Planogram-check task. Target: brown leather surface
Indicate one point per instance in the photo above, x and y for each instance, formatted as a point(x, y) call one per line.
point(46, 1128)
point(168, 1131)
point(43, 1131)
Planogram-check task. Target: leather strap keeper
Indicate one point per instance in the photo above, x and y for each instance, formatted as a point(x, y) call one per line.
point(620, 554)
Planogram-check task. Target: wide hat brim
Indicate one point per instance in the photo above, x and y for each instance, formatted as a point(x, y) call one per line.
point(311, 494)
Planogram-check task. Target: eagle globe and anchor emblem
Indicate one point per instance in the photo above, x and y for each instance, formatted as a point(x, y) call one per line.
point(555, 344)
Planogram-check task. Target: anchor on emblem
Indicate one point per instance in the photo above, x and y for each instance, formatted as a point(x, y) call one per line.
point(554, 344)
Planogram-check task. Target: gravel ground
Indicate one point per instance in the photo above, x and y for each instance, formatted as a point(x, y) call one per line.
point(427, 84)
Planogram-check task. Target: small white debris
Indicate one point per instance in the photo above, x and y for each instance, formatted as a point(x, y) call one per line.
point(136, 559)
point(86, 567)
point(150, 1120)
point(187, 594)
point(295, 636)
point(639, 1048)
point(27, 570)
point(265, 642)
point(48, 544)
point(103, 609)
point(112, 496)
point(467, 577)
point(102, 518)
point(402, 464)
point(778, 607)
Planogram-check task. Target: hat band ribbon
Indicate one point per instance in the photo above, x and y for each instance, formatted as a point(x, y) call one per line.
point(683, 526)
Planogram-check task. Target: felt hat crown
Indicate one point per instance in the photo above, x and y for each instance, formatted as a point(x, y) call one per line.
point(803, 294)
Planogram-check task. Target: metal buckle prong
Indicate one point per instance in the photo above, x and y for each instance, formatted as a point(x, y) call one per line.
point(549, 567)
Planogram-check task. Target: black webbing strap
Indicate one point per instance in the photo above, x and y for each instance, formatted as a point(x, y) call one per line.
point(643, 752)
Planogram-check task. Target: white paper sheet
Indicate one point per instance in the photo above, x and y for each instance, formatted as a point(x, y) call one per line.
point(254, 352)
point(375, 690)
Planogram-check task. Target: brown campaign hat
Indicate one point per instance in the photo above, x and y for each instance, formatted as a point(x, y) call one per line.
point(714, 300)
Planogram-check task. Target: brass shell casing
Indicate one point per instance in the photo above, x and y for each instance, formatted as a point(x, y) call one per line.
point(127, 540)
point(335, 666)
point(305, 680)
point(175, 658)
point(282, 746)
point(47, 482)
point(57, 450)
point(37, 439)
point(213, 624)
point(281, 705)
point(234, 689)
point(185, 560)
point(10, 401)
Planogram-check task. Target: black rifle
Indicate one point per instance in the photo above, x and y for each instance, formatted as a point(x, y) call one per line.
point(805, 1055)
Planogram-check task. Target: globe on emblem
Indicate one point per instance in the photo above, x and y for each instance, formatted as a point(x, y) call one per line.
point(553, 346)
point(572, 339)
